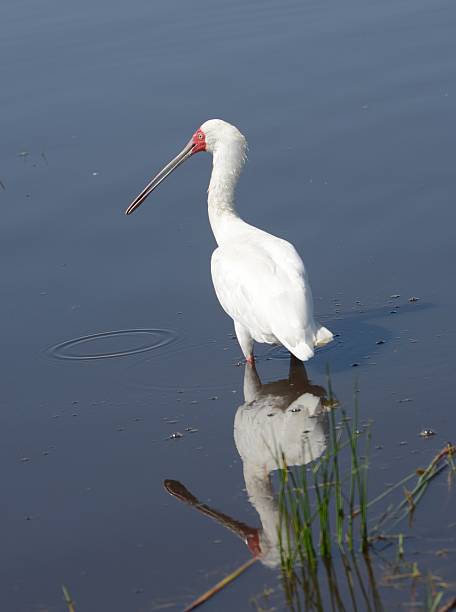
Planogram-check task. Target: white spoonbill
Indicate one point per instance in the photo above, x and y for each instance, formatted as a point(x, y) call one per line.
point(259, 279)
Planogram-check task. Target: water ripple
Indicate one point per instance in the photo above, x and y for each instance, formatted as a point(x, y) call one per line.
point(152, 340)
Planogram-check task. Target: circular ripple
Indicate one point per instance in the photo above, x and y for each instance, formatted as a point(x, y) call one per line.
point(152, 339)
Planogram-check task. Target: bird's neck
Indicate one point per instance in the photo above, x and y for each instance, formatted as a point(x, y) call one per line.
point(263, 499)
point(227, 166)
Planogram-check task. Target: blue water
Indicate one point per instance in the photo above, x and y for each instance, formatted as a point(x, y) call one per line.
point(349, 110)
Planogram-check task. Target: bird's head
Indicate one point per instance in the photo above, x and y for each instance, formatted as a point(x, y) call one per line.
point(219, 133)
point(213, 136)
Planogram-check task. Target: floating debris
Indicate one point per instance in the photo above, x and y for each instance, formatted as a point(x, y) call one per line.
point(176, 435)
point(413, 299)
point(380, 342)
point(427, 433)
point(191, 429)
point(395, 296)
point(405, 400)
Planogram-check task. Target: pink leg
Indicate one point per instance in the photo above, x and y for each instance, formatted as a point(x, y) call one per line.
point(245, 341)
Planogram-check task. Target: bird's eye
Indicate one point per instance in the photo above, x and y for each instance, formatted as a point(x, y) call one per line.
point(200, 136)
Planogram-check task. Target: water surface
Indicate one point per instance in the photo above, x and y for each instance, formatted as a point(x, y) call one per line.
point(349, 112)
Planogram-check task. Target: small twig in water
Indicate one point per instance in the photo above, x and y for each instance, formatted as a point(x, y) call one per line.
point(451, 605)
point(220, 585)
point(69, 602)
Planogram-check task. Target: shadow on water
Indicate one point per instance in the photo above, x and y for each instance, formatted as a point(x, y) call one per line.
point(289, 424)
point(359, 332)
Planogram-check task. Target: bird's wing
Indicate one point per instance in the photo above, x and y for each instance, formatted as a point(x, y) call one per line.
point(261, 283)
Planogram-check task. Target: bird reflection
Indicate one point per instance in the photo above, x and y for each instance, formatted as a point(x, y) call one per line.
point(282, 420)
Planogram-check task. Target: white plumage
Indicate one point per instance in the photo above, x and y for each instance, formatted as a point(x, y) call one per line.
point(259, 279)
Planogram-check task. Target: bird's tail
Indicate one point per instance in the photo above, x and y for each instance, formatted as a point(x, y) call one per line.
point(302, 350)
point(323, 336)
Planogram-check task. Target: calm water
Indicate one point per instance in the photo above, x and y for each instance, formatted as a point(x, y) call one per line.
point(349, 110)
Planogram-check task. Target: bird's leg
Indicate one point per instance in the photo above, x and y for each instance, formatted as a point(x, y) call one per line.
point(252, 383)
point(297, 371)
point(245, 342)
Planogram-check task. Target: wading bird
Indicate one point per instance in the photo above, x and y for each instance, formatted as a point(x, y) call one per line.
point(259, 279)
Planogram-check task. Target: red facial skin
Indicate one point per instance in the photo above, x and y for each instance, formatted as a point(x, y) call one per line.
point(253, 542)
point(199, 141)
